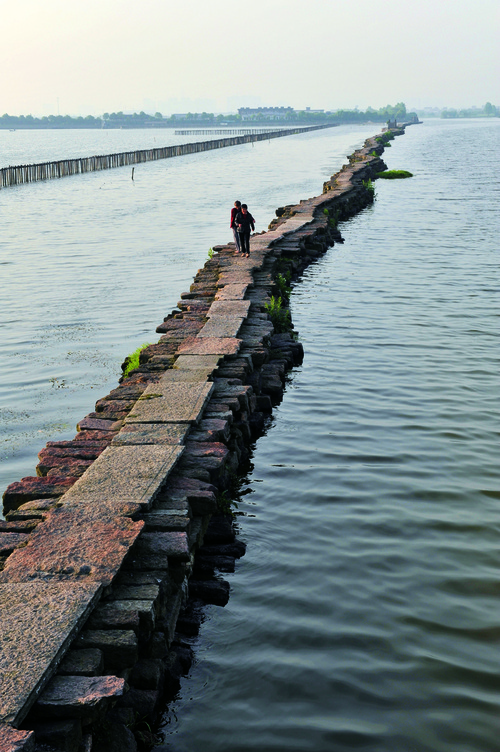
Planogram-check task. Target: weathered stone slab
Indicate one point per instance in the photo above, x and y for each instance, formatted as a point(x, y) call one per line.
point(134, 434)
point(126, 614)
point(119, 646)
point(9, 541)
point(79, 696)
point(87, 662)
point(238, 308)
point(76, 543)
point(29, 489)
point(222, 326)
point(98, 424)
point(13, 740)
point(208, 363)
point(126, 473)
point(163, 546)
point(171, 403)
point(184, 374)
point(235, 277)
point(210, 346)
point(232, 292)
point(38, 622)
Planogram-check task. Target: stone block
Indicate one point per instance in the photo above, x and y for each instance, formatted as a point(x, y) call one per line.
point(88, 662)
point(65, 736)
point(147, 674)
point(62, 466)
point(98, 424)
point(29, 489)
point(229, 308)
point(38, 622)
point(227, 326)
point(119, 647)
point(71, 544)
point(125, 473)
point(133, 434)
point(163, 547)
point(10, 541)
point(149, 592)
point(137, 615)
point(15, 740)
point(82, 697)
point(207, 363)
point(171, 403)
point(210, 346)
point(231, 292)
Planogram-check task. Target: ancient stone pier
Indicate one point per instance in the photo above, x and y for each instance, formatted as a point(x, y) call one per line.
point(101, 550)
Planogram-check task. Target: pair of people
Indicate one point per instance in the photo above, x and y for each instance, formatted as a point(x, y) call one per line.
point(241, 224)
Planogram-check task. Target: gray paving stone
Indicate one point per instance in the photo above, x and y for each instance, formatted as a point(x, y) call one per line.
point(151, 433)
point(222, 326)
point(197, 362)
point(132, 474)
point(232, 292)
point(38, 622)
point(229, 308)
point(185, 374)
point(171, 403)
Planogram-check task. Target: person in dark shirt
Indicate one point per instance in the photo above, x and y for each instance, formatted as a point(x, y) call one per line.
point(245, 221)
point(234, 211)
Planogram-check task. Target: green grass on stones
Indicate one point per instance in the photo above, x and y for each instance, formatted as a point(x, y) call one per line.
point(132, 360)
point(394, 174)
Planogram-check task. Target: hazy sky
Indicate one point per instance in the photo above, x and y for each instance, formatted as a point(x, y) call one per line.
point(92, 56)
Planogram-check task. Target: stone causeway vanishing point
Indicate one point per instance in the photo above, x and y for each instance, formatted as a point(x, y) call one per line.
point(103, 551)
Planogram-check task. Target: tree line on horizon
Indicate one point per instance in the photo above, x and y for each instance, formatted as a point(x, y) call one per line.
point(139, 119)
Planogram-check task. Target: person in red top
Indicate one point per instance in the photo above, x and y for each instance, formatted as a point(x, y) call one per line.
point(234, 211)
point(245, 221)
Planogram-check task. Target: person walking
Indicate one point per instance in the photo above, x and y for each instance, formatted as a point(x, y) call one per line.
point(234, 211)
point(245, 221)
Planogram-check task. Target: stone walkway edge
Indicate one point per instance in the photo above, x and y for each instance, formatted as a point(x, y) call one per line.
point(97, 550)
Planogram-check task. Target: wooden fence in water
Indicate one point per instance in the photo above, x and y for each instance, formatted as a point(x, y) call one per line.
point(48, 170)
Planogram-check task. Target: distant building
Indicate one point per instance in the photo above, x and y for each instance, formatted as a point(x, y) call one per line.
point(266, 113)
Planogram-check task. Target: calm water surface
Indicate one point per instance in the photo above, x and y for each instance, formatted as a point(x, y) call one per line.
point(365, 614)
point(90, 264)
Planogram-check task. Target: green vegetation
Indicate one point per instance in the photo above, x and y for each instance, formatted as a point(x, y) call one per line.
point(227, 505)
point(489, 110)
point(282, 281)
point(132, 360)
point(394, 174)
point(280, 316)
point(211, 253)
point(143, 119)
point(369, 187)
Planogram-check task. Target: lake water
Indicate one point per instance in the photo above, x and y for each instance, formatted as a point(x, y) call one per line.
point(91, 264)
point(365, 612)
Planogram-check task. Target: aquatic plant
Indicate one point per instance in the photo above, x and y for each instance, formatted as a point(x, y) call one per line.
point(282, 282)
point(132, 360)
point(368, 185)
point(394, 174)
point(280, 316)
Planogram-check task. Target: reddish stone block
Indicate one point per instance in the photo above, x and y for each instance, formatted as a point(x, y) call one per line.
point(77, 451)
point(9, 541)
point(29, 489)
point(74, 543)
point(14, 740)
point(62, 466)
point(97, 424)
